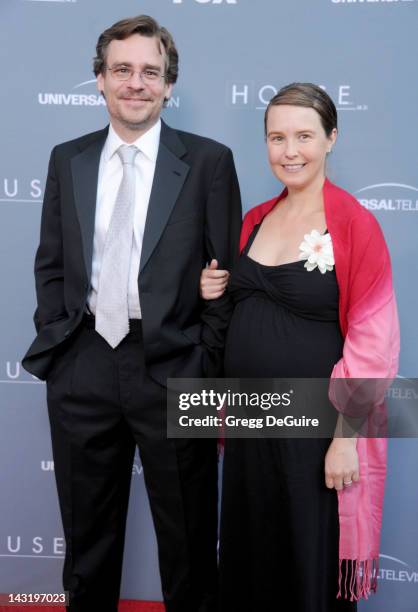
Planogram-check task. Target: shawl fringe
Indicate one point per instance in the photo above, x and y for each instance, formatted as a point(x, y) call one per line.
point(357, 579)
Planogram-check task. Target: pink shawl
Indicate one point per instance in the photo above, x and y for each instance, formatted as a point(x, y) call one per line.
point(369, 324)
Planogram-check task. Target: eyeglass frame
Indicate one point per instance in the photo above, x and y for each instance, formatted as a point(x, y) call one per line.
point(132, 72)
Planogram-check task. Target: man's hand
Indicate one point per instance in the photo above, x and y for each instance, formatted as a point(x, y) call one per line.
point(213, 281)
point(341, 463)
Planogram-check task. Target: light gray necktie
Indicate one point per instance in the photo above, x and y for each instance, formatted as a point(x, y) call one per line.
point(112, 316)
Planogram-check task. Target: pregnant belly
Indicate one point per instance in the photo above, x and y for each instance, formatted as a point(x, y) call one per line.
point(266, 340)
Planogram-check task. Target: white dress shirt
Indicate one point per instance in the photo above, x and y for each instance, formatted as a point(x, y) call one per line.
point(110, 177)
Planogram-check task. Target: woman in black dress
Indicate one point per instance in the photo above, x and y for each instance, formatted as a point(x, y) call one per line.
point(279, 538)
point(279, 523)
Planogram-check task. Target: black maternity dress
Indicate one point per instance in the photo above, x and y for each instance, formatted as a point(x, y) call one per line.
point(279, 522)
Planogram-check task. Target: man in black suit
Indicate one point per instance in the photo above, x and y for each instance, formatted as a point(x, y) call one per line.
point(131, 214)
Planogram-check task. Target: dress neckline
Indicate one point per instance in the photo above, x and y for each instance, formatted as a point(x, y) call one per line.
point(267, 266)
point(274, 266)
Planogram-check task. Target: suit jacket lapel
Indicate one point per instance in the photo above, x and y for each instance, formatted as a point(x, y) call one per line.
point(169, 177)
point(85, 170)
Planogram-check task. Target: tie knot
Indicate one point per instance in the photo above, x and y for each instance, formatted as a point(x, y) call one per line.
point(127, 153)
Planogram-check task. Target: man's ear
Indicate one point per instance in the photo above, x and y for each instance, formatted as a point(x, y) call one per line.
point(168, 90)
point(100, 83)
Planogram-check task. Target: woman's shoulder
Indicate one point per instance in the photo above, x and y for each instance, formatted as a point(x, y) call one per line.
point(349, 210)
point(256, 213)
point(253, 217)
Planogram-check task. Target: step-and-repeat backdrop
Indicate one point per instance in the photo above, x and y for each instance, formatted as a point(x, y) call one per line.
point(234, 55)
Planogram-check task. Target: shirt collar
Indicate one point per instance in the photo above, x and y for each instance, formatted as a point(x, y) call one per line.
point(148, 143)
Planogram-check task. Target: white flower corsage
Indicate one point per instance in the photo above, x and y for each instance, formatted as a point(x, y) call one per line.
point(316, 248)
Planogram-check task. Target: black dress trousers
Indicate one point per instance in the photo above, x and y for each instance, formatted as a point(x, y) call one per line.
point(102, 404)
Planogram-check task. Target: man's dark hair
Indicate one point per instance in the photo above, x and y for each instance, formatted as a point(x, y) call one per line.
point(145, 26)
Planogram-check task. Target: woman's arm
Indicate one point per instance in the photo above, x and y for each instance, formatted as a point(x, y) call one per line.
point(369, 361)
point(213, 282)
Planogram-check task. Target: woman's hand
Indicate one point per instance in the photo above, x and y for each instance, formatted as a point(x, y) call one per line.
point(213, 281)
point(341, 463)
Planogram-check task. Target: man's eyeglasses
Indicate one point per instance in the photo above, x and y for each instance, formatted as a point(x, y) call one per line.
point(148, 76)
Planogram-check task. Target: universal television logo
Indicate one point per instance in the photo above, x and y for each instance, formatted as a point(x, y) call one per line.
point(47, 465)
point(73, 99)
point(388, 197)
point(85, 99)
point(369, 1)
point(397, 575)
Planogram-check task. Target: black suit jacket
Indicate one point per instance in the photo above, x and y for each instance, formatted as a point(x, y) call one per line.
point(194, 215)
